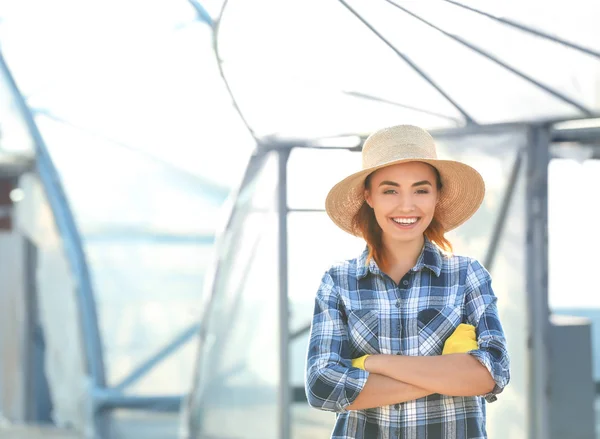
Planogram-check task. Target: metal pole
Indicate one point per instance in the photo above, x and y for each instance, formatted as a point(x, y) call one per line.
point(503, 214)
point(108, 399)
point(412, 64)
point(166, 351)
point(552, 91)
point(537, 280)
point(74, 252)
point(528, 29)
point(284, 370)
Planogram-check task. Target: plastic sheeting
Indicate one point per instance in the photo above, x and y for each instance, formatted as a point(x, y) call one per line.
point(237, 375)
point(134, 121)
point(312, 68)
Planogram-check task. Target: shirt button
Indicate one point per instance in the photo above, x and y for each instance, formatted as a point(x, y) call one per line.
point(397, 406)
point(405, 282)
point(397, 304)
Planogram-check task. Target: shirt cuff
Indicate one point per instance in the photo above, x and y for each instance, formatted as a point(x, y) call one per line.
point(355, 382)
point(484, 359)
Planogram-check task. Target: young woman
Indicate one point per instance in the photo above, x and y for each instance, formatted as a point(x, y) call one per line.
point(405, 339)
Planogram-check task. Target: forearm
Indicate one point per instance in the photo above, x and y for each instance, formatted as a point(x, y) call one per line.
point(453, 375)
point(381, 390)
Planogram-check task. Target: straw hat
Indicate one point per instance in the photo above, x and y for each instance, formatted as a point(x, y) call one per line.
point(463, 187)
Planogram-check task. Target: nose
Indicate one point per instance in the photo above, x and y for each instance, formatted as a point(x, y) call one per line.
point(406, 203)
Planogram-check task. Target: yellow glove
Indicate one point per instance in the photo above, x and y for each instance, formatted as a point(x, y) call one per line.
point(462, 340)
point(359, 362)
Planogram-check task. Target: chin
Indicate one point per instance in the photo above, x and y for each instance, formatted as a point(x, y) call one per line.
point(406, 236)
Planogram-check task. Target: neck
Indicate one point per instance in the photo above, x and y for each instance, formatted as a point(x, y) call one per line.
point(403, 253)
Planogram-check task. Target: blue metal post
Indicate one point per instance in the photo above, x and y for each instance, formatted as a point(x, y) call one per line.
point(284, 367)
point(538, 158)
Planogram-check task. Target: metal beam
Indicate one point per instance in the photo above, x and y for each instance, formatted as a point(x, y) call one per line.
point(107, 399)
point(571, 134)
point(498, 61)
point(411, 63)
point(73, 247)
point(193, 411)
point(537, 279)
point(219, 351)
point(159, 356)
point(300, 332)
point(580, 135)
point(203, 15)
point(216, 28)
point(69, 233)
point(369, 97)
point(503, 213)
point(528, 29)
point(130, 234)
point(285, 394)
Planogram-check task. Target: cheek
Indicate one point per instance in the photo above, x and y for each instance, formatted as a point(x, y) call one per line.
point(381, 209)
point(380, 212)
point(380, 203)
point(428, 206)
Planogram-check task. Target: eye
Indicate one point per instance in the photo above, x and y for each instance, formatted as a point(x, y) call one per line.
point(390, 191)
point(422, 191)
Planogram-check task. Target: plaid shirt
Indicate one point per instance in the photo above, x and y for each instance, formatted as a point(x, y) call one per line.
point(359, 310)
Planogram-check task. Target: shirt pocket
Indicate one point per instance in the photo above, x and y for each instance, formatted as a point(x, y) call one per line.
point(363, 332)
point(435, 325)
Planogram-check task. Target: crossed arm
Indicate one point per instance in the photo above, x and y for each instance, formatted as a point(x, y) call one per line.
point(395, 378)
point(332, 383)
point(380, 390)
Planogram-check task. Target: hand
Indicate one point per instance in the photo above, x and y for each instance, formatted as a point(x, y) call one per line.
point(359, 362)
point(462, 340)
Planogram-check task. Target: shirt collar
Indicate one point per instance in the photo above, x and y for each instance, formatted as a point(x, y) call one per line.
point(430, 258)
point(362, 269)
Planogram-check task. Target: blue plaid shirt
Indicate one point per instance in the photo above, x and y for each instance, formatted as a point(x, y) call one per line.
point(359, 310)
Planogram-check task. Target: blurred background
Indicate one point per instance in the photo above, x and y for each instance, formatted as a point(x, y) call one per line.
point(163, 171)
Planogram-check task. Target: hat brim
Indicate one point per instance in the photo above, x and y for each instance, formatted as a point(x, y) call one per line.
point(461, 196)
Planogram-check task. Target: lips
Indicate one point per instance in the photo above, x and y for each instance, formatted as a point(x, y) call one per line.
point(405, 223)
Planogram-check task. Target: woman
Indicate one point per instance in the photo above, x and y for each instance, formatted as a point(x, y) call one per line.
point(405, 339)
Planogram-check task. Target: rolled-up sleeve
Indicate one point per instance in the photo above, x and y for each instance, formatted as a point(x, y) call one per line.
point(331, 383)
point(482, 312)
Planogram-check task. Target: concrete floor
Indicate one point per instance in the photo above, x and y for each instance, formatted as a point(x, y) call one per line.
point(28, 432)
point(306, 426)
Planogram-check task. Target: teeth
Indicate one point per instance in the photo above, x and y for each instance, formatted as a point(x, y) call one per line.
point(405, 221)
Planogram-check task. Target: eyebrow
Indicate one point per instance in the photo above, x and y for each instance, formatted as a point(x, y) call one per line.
point(393, 183)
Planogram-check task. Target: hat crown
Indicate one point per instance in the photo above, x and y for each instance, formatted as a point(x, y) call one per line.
point(397, 143)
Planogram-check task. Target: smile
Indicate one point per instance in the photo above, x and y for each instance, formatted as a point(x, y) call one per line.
point(405, 222)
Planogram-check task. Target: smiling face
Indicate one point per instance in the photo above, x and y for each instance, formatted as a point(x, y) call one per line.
point(403, 198)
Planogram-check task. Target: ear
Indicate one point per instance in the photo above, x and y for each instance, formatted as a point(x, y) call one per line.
point(367, 196)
